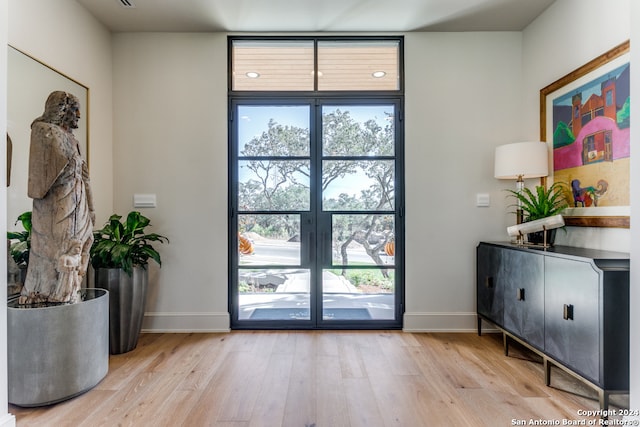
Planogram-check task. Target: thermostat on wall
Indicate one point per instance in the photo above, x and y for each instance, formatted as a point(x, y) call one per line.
point(483, 200)
point(144, 200)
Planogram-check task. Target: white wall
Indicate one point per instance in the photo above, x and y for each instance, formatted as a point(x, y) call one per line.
point(170, 139)
point(466, 94)
point(462, 100)
point(63, 35)
point(567, 35)
point(6, 419)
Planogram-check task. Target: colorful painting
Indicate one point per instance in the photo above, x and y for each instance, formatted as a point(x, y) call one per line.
point(586, 119)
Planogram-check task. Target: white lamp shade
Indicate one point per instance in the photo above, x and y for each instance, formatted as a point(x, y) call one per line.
point(521, 159)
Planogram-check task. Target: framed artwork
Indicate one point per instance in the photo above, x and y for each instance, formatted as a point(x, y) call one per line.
point(585, 118)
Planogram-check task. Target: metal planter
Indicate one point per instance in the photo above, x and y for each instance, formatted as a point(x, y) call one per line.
point(57, 352)
point(127, 298)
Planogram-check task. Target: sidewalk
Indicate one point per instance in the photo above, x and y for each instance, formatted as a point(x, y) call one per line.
point(331, 283)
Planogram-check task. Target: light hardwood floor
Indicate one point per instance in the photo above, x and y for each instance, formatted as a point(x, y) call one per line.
point(321, 379)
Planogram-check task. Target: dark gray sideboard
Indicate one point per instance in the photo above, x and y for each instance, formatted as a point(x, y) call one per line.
point(569, 305)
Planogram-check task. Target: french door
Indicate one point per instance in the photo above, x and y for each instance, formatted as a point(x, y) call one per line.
point(316, 213)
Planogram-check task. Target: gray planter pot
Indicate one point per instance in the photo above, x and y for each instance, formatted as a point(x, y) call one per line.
point(57, 352)
point(127, 298)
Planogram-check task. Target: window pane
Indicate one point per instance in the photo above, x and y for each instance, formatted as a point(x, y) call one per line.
point(273, 130)
point(273, 185)
point(358, 130)
point(265, 65)
point(350, 185)
point(362, 239)
point(273, 294)
point(269, 239)
point(358, 294)
point(358, 65)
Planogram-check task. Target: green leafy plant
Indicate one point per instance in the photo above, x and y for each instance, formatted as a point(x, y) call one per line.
point(543, 202)
point(125, 244)
point(21, 247)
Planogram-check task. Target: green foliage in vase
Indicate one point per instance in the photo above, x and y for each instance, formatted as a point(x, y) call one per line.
point(542, 203)
point(20, 248)
point(125, 244)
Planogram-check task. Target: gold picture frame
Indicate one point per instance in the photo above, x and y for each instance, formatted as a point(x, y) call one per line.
point(570, 89)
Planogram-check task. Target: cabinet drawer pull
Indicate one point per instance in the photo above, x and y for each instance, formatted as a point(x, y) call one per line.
point(520, 294)
point(567, 312)
point(488, 282)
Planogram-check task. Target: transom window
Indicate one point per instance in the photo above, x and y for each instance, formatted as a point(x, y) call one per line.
point(315, 65)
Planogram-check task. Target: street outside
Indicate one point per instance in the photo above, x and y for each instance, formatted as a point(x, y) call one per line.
point(281, 252)
point(289, 288)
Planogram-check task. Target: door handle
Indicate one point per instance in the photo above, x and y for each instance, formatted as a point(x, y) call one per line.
point(520, 294)
point(488, 282)
point(567, 312)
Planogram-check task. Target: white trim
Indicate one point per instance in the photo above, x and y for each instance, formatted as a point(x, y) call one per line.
point(185, 322)
point(444, 322)
point(7, 420)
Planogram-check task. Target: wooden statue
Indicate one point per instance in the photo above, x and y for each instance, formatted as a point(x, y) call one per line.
point(63, 214)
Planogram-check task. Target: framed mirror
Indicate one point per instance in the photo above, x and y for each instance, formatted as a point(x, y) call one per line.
point(29, 83)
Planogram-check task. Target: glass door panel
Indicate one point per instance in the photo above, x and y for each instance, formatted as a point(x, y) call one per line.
point(273, 131)
point(273, 199)
point(315, 216)
point(273, 294)
point(358, 170)
point(269, 239)
point(366, 130)
point(273, 185)
point(362, 239)
point(357, 185)
point(358, 294)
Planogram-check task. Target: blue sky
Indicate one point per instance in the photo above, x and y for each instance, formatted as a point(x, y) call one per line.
point(254, 119)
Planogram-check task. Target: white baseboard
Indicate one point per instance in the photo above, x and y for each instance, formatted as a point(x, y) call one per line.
point(185, 322)
point(220, 322)
point(444, 322)
point(7, 420)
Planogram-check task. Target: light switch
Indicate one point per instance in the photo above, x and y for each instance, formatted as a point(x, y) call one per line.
point(483, 200)
point(144, 200)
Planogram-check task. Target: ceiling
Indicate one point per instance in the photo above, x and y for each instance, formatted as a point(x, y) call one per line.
point(315, 15)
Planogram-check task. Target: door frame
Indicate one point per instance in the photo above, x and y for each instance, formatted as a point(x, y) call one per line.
point(316, 263)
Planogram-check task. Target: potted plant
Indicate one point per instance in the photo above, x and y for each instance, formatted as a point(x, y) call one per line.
point(120, 255)
point(21, 245)
point(541, 203)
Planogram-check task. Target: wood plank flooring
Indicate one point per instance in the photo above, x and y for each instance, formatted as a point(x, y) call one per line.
point(321, 379)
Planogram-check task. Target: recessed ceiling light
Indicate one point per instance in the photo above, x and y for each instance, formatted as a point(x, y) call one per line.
point(252, 74)
point(378, 74)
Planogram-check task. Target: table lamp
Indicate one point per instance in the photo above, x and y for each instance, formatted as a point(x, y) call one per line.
point(521, 160)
